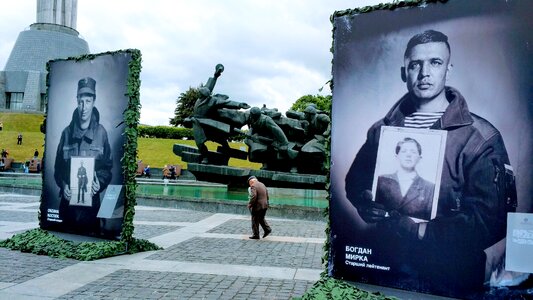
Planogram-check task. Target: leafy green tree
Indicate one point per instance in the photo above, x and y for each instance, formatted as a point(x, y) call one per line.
point(322, 103)
point(184, 106)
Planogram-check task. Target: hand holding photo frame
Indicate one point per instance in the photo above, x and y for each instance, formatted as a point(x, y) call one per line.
point(81, 179)
point(408, 171)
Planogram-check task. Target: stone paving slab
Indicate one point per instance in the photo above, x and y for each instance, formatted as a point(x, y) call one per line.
point(18, 198)
point(142, 231)
point(245, 252)
point(170, 215)
point(8, 229)
point(18, 216)
point(128, 284)
point(18, 267)
point(294, 228)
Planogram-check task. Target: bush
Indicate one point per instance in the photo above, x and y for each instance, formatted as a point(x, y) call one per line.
point(41, 242)
point(165, 132)
point(330, 288)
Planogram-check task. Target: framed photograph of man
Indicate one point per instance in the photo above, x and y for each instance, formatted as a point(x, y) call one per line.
point(463, 67)
point(81, 170)
point(85, 138)
point(408, 171)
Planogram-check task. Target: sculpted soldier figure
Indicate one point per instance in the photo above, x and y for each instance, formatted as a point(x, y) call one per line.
point(214, 116)
point(313, 152)
point(266, 141)
point(291, 127)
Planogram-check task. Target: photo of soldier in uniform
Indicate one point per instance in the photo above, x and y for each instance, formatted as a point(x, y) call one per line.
point(83, 138)
point(82, 168)
point(83, 151)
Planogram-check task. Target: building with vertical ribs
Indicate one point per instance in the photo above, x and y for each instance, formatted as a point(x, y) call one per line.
point(53, 36)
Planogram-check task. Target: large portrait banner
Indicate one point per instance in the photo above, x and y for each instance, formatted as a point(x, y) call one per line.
point(432, 148)
point(83, 178)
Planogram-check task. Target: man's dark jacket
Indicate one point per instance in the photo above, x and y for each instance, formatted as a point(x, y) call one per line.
point(416, 203)
point(90, 143)
point(259, 196)
point(472, 207)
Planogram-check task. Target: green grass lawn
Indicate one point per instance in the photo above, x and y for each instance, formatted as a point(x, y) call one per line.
point(21, 122)
point(158, 152)
point(152, 151)
point(30, 142)
point(32, 138)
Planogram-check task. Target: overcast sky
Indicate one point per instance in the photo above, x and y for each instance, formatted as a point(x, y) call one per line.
point(273, 51)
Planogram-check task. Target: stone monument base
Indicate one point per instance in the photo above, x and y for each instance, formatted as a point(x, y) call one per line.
point(218, 171)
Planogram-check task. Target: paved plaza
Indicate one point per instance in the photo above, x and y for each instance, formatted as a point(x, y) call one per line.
point(205, 256)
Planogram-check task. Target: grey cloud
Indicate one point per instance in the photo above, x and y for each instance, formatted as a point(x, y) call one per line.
point(274, 51)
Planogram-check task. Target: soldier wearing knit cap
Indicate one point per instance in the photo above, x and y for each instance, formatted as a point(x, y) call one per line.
point(83, 137)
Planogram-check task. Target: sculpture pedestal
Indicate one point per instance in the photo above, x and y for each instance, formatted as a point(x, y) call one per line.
point(218, 171)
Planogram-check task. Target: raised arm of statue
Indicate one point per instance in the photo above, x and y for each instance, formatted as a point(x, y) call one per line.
point(222, 101)
point(213, 80)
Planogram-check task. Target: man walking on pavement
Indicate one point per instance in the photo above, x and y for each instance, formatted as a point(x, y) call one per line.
point(258, 205)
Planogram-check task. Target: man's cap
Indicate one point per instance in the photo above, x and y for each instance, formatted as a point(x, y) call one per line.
point(310, 109)
point(250, 178)
point(87, 85)
point(255, 111)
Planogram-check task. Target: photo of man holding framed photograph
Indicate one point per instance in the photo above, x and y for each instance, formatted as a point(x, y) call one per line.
point(84, 137)
point(83, 175)
point(377, 210)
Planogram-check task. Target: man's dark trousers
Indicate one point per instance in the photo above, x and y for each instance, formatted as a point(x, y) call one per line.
point(258, 218)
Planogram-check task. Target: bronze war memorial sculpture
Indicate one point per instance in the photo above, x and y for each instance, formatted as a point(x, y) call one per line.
point(290, 147)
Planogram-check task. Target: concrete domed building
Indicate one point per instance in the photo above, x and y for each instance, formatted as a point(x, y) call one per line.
point(53, 36)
